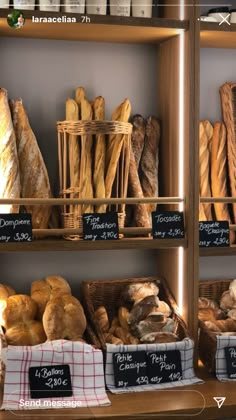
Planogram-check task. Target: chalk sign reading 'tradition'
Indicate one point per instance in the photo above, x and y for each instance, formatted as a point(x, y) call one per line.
point(100, 226)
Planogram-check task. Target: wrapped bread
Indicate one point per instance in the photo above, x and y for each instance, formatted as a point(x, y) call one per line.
point(19, 308)
point(28, 333)
point(33, 172)
point(100, 155)
point(205, 135)
point(44, 290)
point(9, 164)
point(64, 318)
point(102, 318)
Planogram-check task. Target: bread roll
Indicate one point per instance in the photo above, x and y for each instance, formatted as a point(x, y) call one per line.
point(30, 333)
point(100, 155)
point(148, 326)
point(140, 311)
point(6, 291)
point(102, 318)
point(19, 308)
point(223, 325)
point(86, 187)
point(159, 337)
point(33, 172)
point(207, 303)
point(135, 292)
point(115, 323)
point(9, 165)
point(64, 318)
point(227, 301)
point(125, 336)
point(110, 338)
point(205, 135)
point(164, 308)
point(123, 316)
point(232, 289)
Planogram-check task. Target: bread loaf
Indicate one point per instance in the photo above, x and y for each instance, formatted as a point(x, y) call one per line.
point(159, 337)
point(9, 165)
point(100, 155)
point(33, 172)
point(137, 137)
point(223, 325)
point(102, 318)
point(19, 308)
point(123, 316)
point(86, 188)
point(29, 333)
point(219, 173)
point(135, 292)
point(205, 135)
point(110, 338)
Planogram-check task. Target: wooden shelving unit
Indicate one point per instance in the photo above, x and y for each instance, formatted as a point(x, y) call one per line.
point(213, 35)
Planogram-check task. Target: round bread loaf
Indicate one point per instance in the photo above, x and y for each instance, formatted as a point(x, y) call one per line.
point(19, 308)
point(28, 333)
point(138, 291)
point(64, 318)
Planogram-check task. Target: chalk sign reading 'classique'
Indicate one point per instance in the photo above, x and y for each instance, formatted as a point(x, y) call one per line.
point(213, 234)
point(50, 381)
point(167, 225)
point(230, 355)
point(100, 226)
point(15, 227)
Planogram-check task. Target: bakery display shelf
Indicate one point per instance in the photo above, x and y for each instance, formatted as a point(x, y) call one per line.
point(94, 28)
point(196, 401)
point(221, 251)
point(214, 35)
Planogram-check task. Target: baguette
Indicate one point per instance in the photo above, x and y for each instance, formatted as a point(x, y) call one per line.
point(205, 135)
point(79, 96)
point(9, 165)
point(34, 176)
point(86, 188)
point(100, 155)
point(219, 173)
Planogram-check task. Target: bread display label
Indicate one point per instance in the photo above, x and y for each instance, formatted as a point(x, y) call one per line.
point(164, 366)
point(167, 225)
point(100, 226)
point(230, 355)
point(15, 227)
point(214, 234)
point(50, 381)
point(130, 369)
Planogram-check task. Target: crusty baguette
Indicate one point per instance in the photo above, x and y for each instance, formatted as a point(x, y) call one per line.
point(33, 172)
point(100, 155)
point(9, 165)
point(219, 172)
point(86, 187)
point(79, 96)
point(72, 114)
point(115, 143)
point(205, 135)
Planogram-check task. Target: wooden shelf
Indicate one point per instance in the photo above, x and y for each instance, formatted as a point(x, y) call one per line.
point(213, 35)
point(100, 29)
point(181, 402)
point(45, 245)
point(211, 252)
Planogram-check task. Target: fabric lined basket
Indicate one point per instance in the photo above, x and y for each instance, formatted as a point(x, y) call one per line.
point(107, 293)
point(211, 289)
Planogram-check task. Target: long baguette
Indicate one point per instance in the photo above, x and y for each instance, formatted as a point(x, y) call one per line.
point(86, 188)
point(219, 172)
point(9, 165)
point(205, 135)
point(100, 155)
point(115, 143)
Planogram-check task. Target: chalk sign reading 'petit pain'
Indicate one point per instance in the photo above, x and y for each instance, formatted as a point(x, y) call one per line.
point(167, 225)
point(100, 226)
point(15, 227)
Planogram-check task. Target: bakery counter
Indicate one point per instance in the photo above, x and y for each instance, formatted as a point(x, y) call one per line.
point(186, 402)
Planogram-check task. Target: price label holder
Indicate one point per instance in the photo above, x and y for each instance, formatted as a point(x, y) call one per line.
point(130, 369)
point(50, 381)
point(15, 227)
point(214, 234)
point(164, 366)
point(230, 355)
point(167, 225)
point(100, 226)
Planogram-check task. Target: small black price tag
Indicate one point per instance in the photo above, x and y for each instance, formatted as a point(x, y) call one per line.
point(15, 227)
point(230, 355)
point(214, 234)
point(130, 369)
point(100, 226)
point(50, 381)
point(164, 366)
point(167, 225)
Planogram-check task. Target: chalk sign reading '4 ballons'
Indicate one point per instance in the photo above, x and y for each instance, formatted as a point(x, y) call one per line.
point(213, 234)
point(230, 355)
point(167, 225)
point(15, 227)
point(50, 381)
point(100, 226)
point(143, 368)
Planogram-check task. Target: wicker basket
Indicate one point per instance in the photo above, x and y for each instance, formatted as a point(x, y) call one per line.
point(73, 185)
point(107, 293)
point(211, 289)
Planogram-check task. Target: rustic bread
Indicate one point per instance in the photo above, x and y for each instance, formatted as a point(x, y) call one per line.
point(28, 333)
point(19, 308)
point(100, 155)
point(205, 135)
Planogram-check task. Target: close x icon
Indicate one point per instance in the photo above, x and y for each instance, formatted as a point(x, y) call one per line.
point(224, 19)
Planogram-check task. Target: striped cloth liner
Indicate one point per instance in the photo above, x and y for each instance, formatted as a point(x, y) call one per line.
point(86, 369)
point(186, 348)
point(222, 342)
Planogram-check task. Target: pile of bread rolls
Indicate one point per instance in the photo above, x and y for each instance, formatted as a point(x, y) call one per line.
point(142, 317)
point(220, 317)
point(50, 313)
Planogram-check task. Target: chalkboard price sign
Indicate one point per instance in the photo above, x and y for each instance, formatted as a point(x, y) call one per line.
point(230, 355)
point(167, 225)
point(15, 227)
point(50, 381)
point(130, 369)
point(164, 366)
point(100, 226)
point(214, 234)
